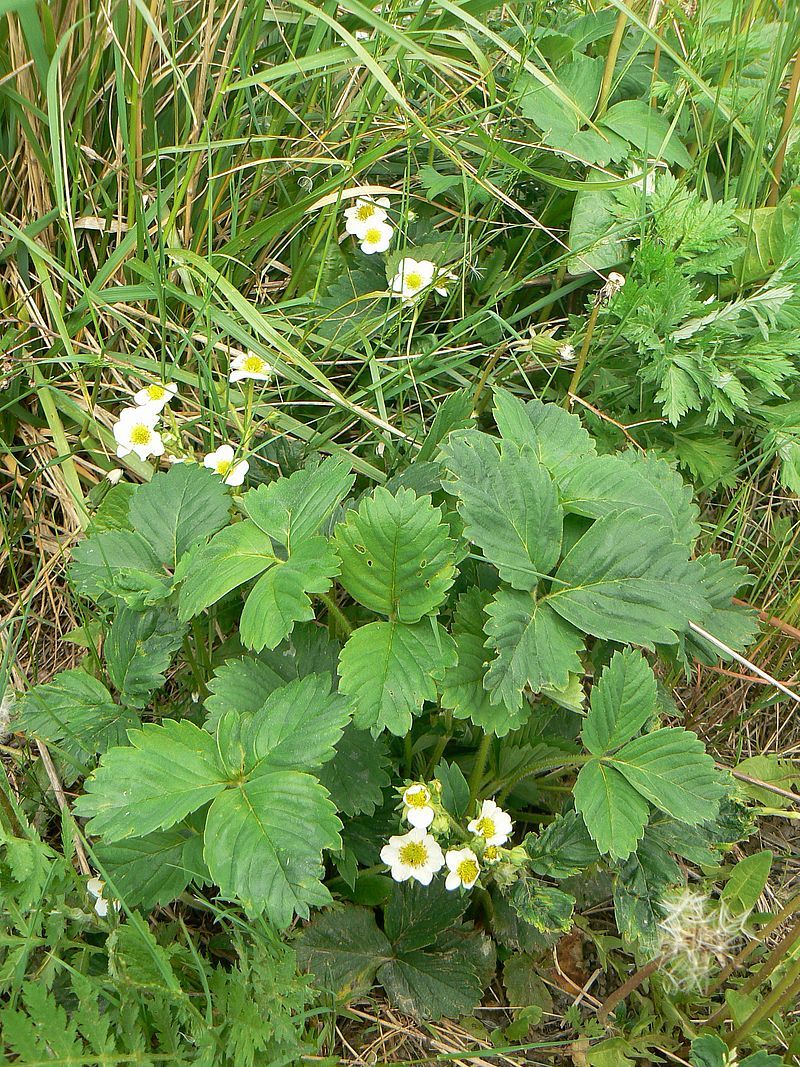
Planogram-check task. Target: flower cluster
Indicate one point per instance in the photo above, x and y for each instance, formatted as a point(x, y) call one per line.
point(135, 430)
point(368, 221)
point(419, 855)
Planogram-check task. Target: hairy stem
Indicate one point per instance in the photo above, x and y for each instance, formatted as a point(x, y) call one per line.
point(335, 612)
point(479, 768)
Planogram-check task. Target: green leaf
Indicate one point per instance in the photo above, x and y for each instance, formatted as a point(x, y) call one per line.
point(138, 650)
point(431, 984)
point(463, 690)
point(358, 772)
point(562, 849)
point(121, 564)
point(671, 768)
point(263, 844)
point(557, 437)
point(280, 597)
point(646, 129)
point(746, 882)
point(736, 626)
point(178, 508)
point(240, 685)
point(709, 1051)
point(165, 773)
point(298, 725)
point(600, 485)
point(292, 509)
point(596, 240)
point(455, 788)
point(626, 580)
point(546, 908)
point(391, 669)
point(639, 887)
point(343, 948)
point(416, 915)
point(454, 413)
point(237, 554)
point(396, 556)
point(534, 645)
point(621, 702)
point(523, 985)
point(508, 503)
point(149, 870)
point(614, 813)
point(76, 711)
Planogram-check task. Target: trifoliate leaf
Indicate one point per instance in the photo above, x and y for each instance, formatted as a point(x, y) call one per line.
point(671, 768)
point(237, 554)
point(557, 437)
point(614, 812)
point(138, 650)
point(240, 685)
point(77, 712)
point(298, 725)
point(441, 981)
point(416, 915)
point(148, 870)
point(626, 580)
point(165, 773)
point(391, 669)
point(358, 772)
point(600, 485)
point(621, 702)
point(292, 509)
point(177, 508)
point(463, 690)
point(280, 597)
point(509, 505)
point(562, 849)
point(397, 558)
point(534, 645)
point(263, 844)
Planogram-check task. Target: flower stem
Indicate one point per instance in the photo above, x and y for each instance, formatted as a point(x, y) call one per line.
point(584, 352)
point(783, 136)
point(626, 989)
point(336, 613)
point(478, 769)
point(611, 62)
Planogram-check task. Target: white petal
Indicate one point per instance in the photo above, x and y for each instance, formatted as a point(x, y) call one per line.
point(95, 886)
point(420, 817)
point(101, 907)
point(236, 474)
point(452, 881)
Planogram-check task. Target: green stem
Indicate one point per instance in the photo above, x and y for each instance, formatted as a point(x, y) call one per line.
point(785, 992)
point(584, 352)
point(479, 768)
point(408, 753)
point(336, 613)
point(611, 62)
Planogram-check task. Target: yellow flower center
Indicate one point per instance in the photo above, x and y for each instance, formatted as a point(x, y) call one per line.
point(413, 280)
point(414, 854)
point(417, 798)
point(254, 364)
point(156, 392)
point(373, 236)
point(486, 827)
point(491, 853)
point(364, 212)
point(223, 466)
point(140, 434)
point(467, 870)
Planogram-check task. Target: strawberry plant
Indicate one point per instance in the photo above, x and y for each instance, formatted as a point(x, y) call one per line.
point(284, 675)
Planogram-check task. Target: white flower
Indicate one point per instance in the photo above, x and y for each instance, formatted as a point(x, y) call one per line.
point(95, 887)
point(442, 278)
point(412, 277)
point(463, 866)
point(364, 213)
point(156, 396)
point(493, 824)
point(417, 809)
point(376, 237)
point(221, 462)
point(135, 432)
point(566, 353)
point(413, 855)
point(250, 366)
